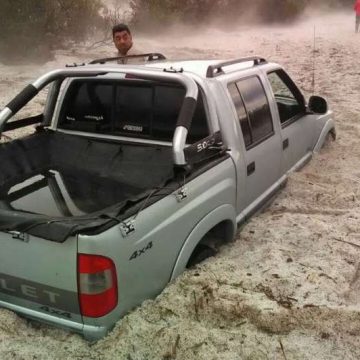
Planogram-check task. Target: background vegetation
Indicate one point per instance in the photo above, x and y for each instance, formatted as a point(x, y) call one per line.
point(30, 29)
point(200, 11)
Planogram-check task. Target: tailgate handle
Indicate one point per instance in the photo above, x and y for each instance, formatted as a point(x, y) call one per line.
point(251, 168)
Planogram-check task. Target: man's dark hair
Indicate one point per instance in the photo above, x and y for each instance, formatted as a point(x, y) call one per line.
point(120, 28)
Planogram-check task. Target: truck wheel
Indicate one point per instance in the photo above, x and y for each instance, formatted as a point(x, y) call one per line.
point(330, 137)
point(200, 253)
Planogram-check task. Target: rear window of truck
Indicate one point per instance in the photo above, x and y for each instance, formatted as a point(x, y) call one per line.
point(133, 109)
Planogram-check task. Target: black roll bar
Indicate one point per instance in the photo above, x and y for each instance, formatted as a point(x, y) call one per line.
point(183, 122)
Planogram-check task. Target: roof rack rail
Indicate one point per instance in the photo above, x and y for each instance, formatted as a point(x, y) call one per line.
point(149, 56)
point(217, 69)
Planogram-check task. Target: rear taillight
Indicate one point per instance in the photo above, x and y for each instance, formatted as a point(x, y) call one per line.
point(97, 285)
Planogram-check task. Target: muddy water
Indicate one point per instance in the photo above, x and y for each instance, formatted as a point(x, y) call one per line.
point(289, 287)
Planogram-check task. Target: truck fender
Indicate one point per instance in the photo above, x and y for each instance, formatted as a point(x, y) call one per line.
point(329, 128)
point(222, 213)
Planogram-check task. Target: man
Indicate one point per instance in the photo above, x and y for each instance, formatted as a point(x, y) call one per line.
point(357, 11)
point(123, 41)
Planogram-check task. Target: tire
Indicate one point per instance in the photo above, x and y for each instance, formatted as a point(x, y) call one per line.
point(330, 138)
point(200, 253)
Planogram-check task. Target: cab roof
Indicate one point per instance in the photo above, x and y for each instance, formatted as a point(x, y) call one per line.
point(208, 68)
point(203, 68)
point(198, 67)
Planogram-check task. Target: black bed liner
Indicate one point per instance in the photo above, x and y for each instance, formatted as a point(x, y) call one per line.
point(54, 185)
point(98, 176)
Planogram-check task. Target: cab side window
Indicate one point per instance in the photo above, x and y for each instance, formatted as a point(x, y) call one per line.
point(241, 113)
point(289, 100)
point(252, 109)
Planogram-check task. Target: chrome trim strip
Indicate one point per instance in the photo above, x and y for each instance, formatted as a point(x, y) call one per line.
point(42, 316)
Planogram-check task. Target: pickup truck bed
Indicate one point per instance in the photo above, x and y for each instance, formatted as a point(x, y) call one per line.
point(53, 176)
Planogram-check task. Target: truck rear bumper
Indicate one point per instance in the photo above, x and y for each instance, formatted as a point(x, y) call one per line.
point(90, 333)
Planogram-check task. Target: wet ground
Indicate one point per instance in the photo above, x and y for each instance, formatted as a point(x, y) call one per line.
point(289, 286)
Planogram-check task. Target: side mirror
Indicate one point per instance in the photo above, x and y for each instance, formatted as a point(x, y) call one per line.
point(318, 105)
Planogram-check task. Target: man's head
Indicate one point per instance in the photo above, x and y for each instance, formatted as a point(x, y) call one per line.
point(122, 38)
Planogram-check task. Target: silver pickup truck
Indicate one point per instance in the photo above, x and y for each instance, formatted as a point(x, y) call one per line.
point(136, 172)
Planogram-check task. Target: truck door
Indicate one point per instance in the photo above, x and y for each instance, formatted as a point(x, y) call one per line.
point(296, 126)
point(262, 143)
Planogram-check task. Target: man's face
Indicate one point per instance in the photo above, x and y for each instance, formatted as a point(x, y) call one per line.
point(122, 41)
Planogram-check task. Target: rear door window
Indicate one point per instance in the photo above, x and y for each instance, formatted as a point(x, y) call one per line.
point(252, 109)
point(241, 113)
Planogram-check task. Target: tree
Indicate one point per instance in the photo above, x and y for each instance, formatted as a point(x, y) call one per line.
point(163, 12)
point(30, 29)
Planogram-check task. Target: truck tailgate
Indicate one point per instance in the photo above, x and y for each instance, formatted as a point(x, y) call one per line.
point(39, 277)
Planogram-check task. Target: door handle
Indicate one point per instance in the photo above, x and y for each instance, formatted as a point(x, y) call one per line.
point(251, 168)
point(285, 144)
